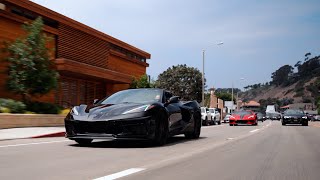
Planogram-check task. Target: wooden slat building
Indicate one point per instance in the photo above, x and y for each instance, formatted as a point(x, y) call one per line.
point(91, 64)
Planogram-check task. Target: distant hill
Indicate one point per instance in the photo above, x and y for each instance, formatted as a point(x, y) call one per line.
point(298, 92)
point(289, 86)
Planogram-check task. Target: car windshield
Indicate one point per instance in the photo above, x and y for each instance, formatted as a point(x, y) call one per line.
point(211, 110)
point(242, 113)
point(143, 96)
point(293, 112)
point(203, 110)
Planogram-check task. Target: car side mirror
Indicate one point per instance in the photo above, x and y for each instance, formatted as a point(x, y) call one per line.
point(95, 101)
point(173, 99)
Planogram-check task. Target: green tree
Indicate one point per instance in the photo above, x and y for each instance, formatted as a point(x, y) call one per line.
point(142, 82)
point(225, 96)
point(182, 81)
point(282, 75)
point(30, 69)
point(310, 67)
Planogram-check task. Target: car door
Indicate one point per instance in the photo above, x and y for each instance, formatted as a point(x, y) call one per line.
point(218, 116)
point(174, 112)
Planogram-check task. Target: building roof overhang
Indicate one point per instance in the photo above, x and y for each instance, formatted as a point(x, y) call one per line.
point(67, 66)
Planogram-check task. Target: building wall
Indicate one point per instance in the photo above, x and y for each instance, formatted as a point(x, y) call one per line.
point(120, 64)
point(82, 47)
point(73, 42)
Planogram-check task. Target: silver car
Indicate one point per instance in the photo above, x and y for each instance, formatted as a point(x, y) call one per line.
point(206, 116)
point(226, 118)
point(215, 115)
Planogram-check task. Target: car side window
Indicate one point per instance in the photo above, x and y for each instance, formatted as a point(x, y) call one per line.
point(167, 96)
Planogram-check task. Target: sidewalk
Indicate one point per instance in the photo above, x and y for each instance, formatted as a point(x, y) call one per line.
point(31, 132)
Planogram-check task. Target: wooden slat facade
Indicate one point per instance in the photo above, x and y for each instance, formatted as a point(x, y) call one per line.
point(91, 64)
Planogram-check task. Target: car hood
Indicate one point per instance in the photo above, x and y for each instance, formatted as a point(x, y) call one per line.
point(236, 116)
point(294, 115)
point(103, 111)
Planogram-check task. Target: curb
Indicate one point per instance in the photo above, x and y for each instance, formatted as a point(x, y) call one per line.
point(57, 134)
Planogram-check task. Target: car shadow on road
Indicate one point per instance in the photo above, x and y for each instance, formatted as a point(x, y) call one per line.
point(135, 143)
point(294, 125)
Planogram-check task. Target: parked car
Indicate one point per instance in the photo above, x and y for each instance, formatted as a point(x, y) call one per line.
point(215, 115)
point(243, 117)
point(226, 118)
point(146, 114)
point(206, 116)
point(310, 116)
point(294, 116)
point(316, 118)
point(261, 117)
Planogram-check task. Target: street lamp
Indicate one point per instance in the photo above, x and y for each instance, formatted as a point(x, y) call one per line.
point(203, 55)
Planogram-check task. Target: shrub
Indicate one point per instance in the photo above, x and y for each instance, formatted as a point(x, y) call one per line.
point(64, 111)
point(43, 108)
point(29, 112)
point(9, 105)
point(4, 110)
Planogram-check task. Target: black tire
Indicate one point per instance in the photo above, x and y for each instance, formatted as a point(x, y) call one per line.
point(206, 122)
point(219, 123)
point(305, 124)
point(231, 124)
point(161, 131)
point(195, 134)
point(214, 121)
point(283, 124)
point(84, 142)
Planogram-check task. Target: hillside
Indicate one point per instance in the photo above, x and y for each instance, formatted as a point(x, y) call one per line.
point(301, 91)
point(290, 84)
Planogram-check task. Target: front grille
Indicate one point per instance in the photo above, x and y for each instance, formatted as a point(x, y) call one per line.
point(108, 127)
point(137, 127)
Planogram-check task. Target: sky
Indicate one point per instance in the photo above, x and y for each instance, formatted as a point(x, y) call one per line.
point(258, 36)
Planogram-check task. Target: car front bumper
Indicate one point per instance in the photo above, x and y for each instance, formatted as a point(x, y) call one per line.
point(294, 121)
point(248, 122)
point(137, 128)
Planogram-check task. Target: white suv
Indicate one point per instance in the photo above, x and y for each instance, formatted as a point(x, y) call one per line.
point(216, 119)
point(206, 116)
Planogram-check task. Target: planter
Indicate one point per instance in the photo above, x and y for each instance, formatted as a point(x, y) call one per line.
point(30, 120)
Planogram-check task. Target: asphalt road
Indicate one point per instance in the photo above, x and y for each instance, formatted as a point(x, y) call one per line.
point(267, 151)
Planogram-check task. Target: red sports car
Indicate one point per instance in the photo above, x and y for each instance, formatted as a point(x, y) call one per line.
point(243, 117)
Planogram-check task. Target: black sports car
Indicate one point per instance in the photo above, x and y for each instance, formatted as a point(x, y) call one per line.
point(294, 116)
point(261, 117)
point(150, 114)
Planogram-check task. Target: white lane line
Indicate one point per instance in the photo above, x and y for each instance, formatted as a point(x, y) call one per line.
point(121, 174)
point(28, 144)
point(254, 130)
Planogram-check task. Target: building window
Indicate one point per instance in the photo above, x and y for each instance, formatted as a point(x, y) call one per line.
point(129, 54)
point(29, 15)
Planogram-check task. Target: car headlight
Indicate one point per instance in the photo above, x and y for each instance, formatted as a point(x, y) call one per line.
point(251, 117)
point(74, 111)
point(304, 117)
point(286, 117)
point(139, 109)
